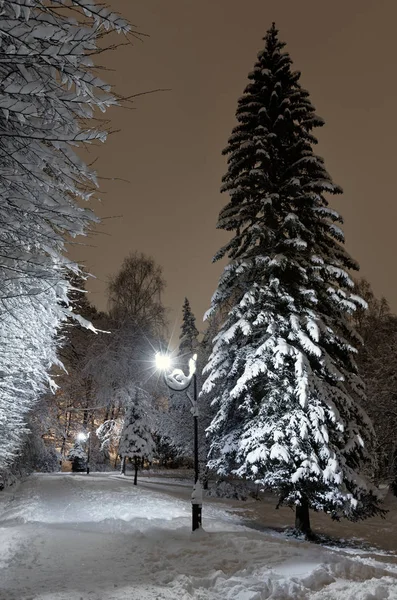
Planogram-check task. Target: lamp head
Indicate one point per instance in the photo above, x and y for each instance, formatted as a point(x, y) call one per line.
point(81, 437)
point(163, 361)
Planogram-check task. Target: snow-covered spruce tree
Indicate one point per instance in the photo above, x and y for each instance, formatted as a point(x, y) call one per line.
point(189, 333)
point(78, 457)
point(282, 369)
point(377, 363)
point(48, 98)
point(136, 441)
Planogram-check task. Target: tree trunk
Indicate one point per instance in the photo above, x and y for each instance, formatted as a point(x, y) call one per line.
point(62, 450)
point(302, 519)
point(68, 422)
point(136, 463)
point(117, 456)
point(123, 463)
point(88, 394)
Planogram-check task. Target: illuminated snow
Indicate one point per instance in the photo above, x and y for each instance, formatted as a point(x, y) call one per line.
point(73, 537)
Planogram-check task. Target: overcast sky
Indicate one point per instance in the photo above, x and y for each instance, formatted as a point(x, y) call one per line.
point(168, 150)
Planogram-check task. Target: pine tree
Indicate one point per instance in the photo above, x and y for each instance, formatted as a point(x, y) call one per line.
point(189, 334)
point(77, 457)
point(377, 363)
point(136, 440)
point(282, 367)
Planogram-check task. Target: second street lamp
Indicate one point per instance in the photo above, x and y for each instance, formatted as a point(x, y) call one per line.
point(177, 381)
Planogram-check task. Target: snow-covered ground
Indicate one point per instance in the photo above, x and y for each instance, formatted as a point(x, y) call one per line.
point(73, 537)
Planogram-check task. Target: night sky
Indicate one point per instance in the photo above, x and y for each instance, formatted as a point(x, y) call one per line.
point(169, 147)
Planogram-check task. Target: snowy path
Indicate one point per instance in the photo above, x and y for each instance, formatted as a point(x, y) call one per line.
point(73, 537)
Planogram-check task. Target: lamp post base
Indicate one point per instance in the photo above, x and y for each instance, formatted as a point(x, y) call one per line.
point(197, 502)
point(196, 516)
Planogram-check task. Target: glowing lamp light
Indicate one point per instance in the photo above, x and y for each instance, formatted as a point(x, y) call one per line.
point(163, 361)
point(81, 437)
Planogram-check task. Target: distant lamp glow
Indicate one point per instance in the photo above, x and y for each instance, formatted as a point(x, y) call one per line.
point(81, 437)
point(163, 361)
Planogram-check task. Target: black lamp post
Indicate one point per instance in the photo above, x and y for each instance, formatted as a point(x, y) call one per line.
point(179, 382)
point(88, 452)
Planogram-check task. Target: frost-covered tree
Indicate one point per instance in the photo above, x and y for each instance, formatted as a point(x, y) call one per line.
point(189, 333)
point(118, 360)
point(75, 404)
point(377, 363)
point(78, 457)
point(136, 441)
point(135, 293)
point(282, 367)
point(49, 96)
point(108, 433)
point(124, 357)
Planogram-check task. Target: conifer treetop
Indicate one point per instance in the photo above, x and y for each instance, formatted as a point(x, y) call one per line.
point(275, 122)
point(189, 333)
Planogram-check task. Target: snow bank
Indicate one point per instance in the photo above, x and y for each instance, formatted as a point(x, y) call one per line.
point(73, 537)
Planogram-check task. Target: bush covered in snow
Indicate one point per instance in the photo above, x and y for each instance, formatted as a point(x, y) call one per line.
point(35, 455)
point(77, 457)
point(227, 489)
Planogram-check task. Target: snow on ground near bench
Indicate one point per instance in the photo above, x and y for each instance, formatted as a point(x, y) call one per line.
point(73, 537)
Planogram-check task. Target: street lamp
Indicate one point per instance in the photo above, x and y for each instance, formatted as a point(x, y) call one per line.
point(85, 437)
point(177, 381)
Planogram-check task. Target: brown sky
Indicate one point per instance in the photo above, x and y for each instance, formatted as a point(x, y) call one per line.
point(169, 147)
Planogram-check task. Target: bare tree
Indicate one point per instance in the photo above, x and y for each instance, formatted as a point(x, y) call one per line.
point(135, 293)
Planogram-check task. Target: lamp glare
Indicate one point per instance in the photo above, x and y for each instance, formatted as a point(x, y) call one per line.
point(163, 361)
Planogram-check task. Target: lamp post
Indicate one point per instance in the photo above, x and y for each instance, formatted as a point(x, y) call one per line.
point(177, 381)
point(88, 452)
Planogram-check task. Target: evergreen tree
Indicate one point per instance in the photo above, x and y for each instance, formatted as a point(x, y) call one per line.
point(189, 334)
point(282, 370)
point(77, 457)
point(377, 364)
point(136, 440)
